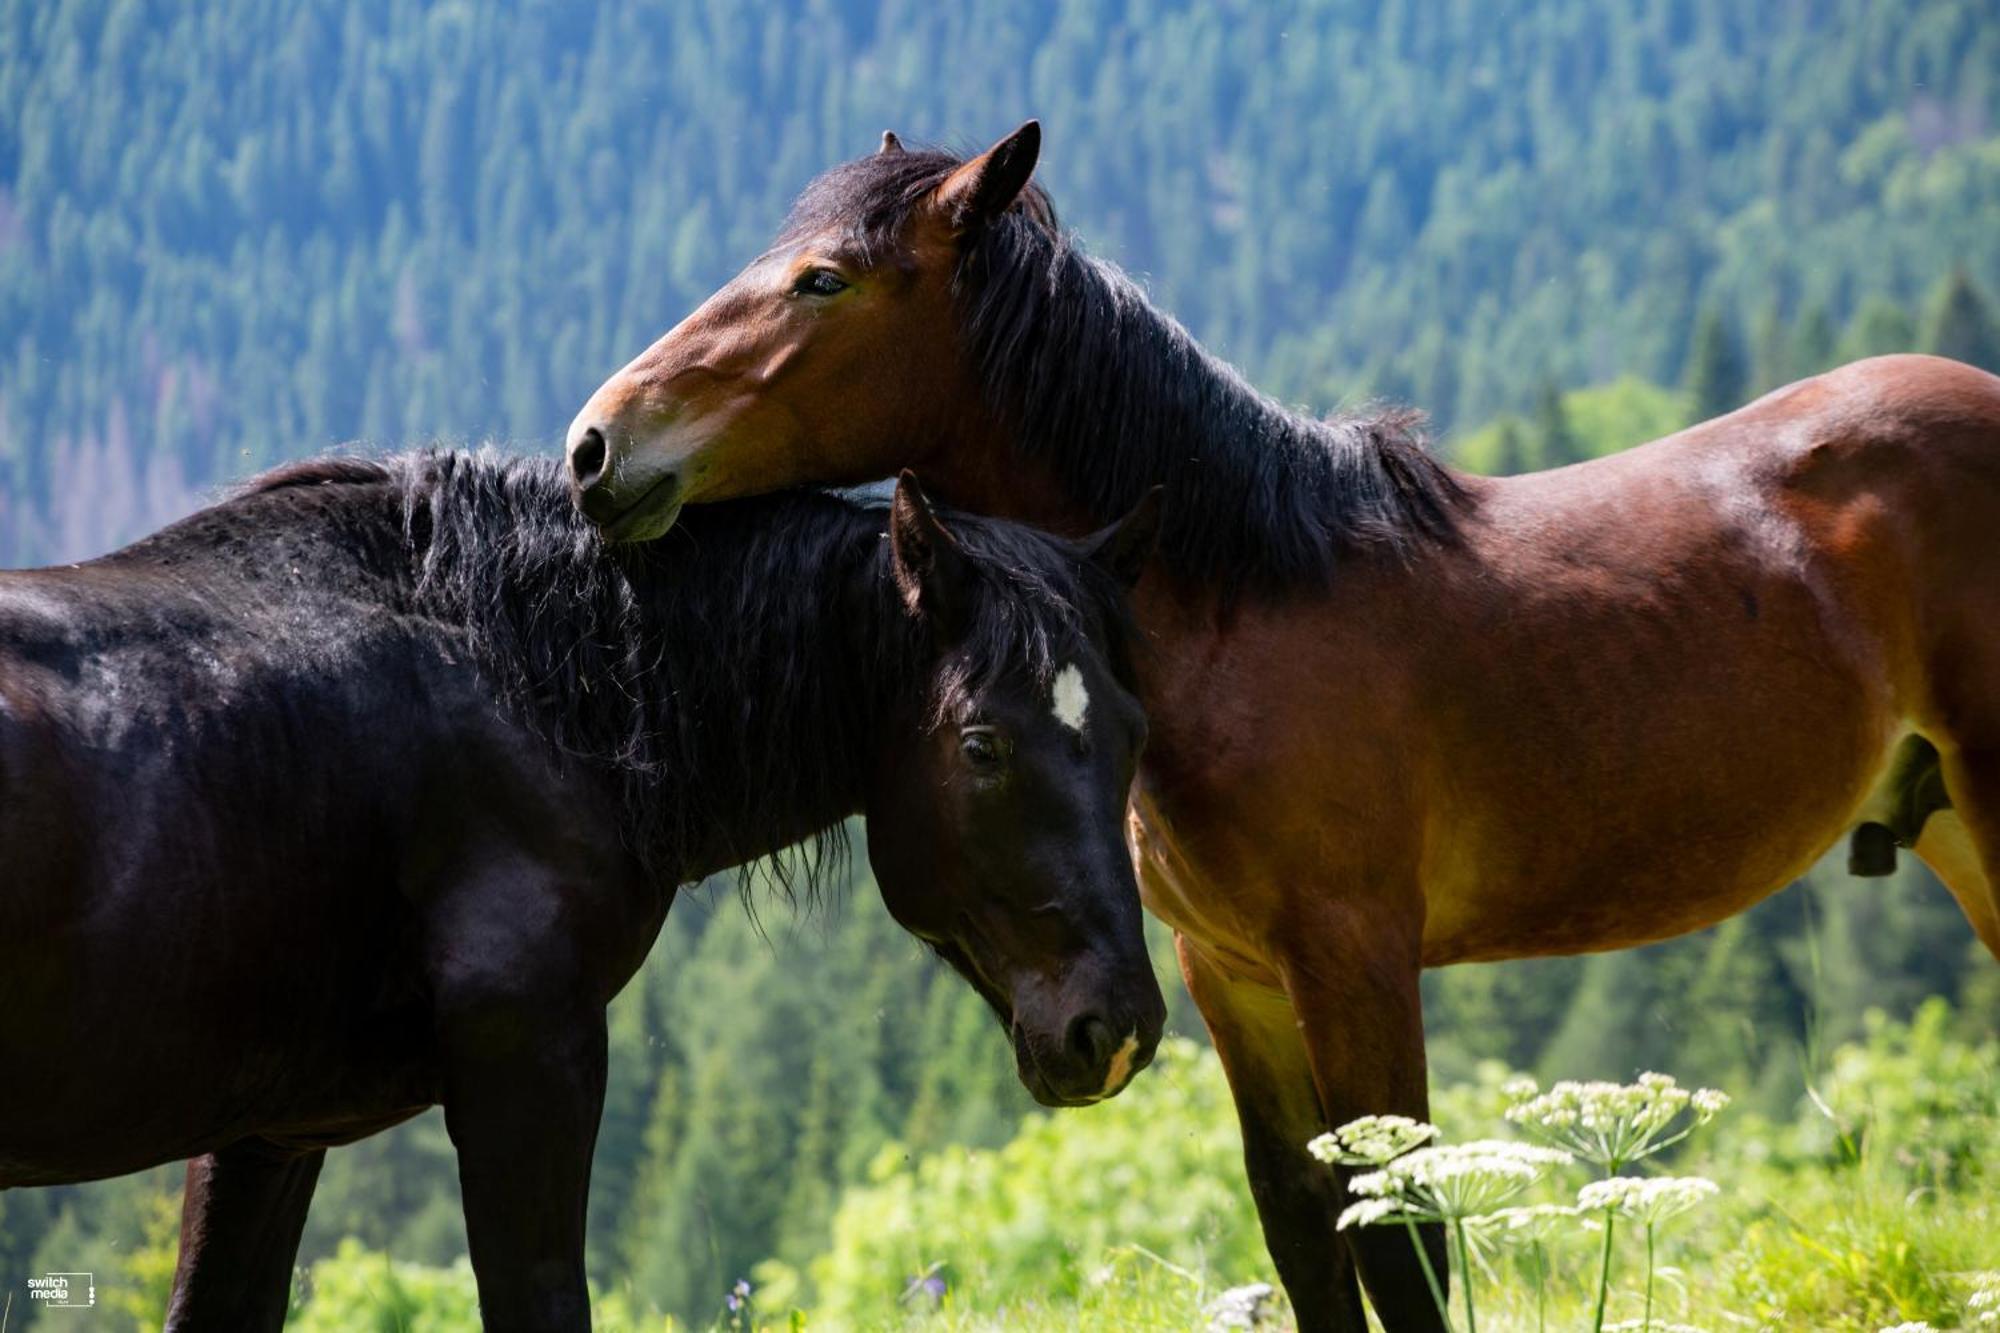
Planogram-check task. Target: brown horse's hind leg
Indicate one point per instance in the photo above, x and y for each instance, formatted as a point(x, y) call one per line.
point(1257, 1038)
point(1962, 844)
point(241, 1217)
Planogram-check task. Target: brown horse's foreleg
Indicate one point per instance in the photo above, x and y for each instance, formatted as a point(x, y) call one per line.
point(524, 1088)
point(1297, 1198)
point(241, 1217)
point(1353, 987)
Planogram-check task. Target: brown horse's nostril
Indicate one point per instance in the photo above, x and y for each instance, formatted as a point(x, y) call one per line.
point(587, 457)
point(1091, 1040)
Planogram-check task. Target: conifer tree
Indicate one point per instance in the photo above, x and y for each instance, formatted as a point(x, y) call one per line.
point(1961, 324)
point(1878, 328)
point(1812, 342)
point(1771, 350)
point(1555, 438)
point(1511, 457)
point(1717, 378)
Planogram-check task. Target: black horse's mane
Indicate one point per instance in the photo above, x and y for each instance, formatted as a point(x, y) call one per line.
point(732, 674)
point(1117, 397)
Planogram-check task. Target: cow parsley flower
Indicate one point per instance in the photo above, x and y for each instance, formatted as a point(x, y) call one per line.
point(1612, 1125)
point(1647, 1201)
point(1984, 1304)
point(1455, 1181)
point(1650, 1201)
point(1371, 1140)
point(1369, 1212)
point(1456, 1184)
point(1528, 1222)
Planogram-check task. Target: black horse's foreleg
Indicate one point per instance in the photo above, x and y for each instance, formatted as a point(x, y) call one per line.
point(524, 1087)
point(241, 1216)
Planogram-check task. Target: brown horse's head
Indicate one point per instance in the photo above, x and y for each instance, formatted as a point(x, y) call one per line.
point(835, 356)
point(996, 817)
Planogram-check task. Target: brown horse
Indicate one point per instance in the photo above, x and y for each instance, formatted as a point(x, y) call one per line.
point(1400, 717)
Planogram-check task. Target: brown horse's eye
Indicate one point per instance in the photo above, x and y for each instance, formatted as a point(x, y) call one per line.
point(819, 282)
point(984, 748)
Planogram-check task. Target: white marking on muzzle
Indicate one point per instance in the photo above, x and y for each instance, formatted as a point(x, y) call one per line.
point(1121, 1066)
point(1071, 700)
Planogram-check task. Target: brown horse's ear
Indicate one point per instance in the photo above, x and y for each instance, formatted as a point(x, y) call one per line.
point(988, 185)
point(1126, 546)
point(931, 568)
point(891, 145)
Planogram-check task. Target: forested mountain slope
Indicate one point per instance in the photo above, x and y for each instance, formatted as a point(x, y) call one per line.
point(237, 231)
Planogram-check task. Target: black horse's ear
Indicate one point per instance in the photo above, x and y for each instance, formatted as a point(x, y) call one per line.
point(931, 568)
point(891, 145)
point(1126, 546)
point(988, 185)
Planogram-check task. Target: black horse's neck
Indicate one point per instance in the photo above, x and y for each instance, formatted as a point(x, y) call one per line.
point(735, 676)
point(1115, 397)
point(738, 679)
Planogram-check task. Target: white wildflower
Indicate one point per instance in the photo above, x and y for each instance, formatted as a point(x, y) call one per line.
point(1649, 1200)
point(1250, 1306)
point(1528, 1222)
point(1371, 1140)
point(1457, 1180)
point(1613, 1124)
point(1651, 1326)
point(1369, 1212)
point(1984, 1304)
point(1914, 1326)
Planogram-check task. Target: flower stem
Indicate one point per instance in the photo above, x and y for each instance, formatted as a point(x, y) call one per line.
point(1430, 1274)
point(1541, 1290)
point(1604, 1273)
point(1648, 1327)
point(1465, 1274)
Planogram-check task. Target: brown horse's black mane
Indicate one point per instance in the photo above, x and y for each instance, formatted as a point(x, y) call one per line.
point(1117, 397)
point(732, 674)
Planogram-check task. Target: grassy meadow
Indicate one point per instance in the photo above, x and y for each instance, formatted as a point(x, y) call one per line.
point(1871, 1206)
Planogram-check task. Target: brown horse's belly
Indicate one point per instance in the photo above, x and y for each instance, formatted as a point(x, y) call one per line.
point(1661, 736)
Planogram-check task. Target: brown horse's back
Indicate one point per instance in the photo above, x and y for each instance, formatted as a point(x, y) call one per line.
point(1671, 679)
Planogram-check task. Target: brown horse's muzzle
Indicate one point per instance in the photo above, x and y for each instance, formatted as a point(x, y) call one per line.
point(629, 493)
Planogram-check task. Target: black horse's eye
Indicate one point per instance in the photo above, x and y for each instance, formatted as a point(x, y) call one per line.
point(984, 748)
point(819, 282)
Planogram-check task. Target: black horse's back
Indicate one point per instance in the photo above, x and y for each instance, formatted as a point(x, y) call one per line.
point(213, 746)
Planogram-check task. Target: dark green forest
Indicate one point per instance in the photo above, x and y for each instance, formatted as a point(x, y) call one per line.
point(242, 231)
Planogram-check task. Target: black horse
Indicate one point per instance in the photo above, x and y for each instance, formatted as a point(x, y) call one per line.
point(366, 790)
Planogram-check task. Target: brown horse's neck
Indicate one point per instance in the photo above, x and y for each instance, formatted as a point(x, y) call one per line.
point(1098, 397)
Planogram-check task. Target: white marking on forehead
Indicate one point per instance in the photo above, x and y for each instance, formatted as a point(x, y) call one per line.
point(1071, 700)
point(1121, 1067)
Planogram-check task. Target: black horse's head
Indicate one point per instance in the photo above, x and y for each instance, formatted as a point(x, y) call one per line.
point(996, 812)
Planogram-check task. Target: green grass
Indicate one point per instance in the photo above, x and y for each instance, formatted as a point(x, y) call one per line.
point(1872, 1205)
